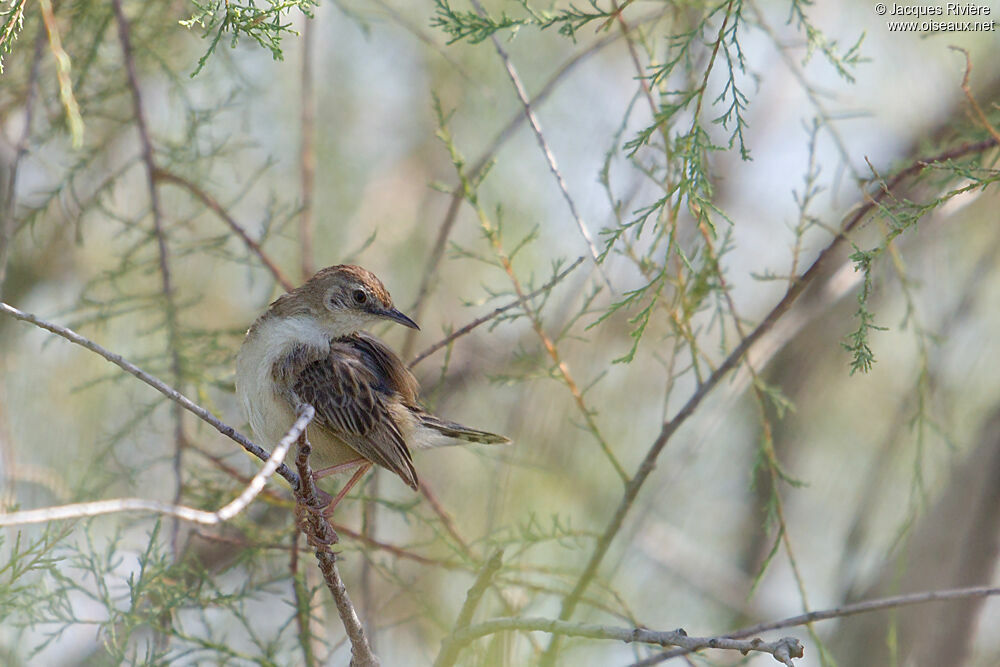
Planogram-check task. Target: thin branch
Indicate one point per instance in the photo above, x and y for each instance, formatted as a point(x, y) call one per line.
point(212, 204)
point(492, 234)
point(173, 328)
point(732, 360)
point(321, 535)
point(117, 505)
point(867, 606)
point(16, 17)
point(457, 193)
point(303, 607)
point(783, 650)
point(493, 315)
point(550, 158)
point(156, 384)
point(450, 647)
point(307, 154)
point(7, 208)
point(972, 100)
point(73, 119)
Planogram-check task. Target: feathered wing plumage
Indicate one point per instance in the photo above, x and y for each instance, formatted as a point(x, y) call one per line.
point(366, 397)
point(352, 403)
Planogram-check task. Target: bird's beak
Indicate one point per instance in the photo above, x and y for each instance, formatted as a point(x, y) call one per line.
point(396, 316)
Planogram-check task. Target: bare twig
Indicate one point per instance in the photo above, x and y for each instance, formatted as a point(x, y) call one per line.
point(7, 206)
point(155, 383)
point(492, 233)
point(867, 606)
point(321, 535)
point(550, 158)
point(117, 505)
point(307, 154)
point(732, 360)
point(212, 204)
point(73, 119)
point(303, 604)
point(450, 647)
point(457, 193)
point(173, 328)
point(783, 650)
point(493, 315)
point(972, 100)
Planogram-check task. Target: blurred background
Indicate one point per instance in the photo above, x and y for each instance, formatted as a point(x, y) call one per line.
point(684, 167)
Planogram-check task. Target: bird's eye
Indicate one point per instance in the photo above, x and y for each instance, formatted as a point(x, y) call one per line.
point(359, 296)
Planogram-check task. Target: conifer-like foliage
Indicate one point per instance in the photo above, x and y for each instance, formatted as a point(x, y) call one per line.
point(725, 272)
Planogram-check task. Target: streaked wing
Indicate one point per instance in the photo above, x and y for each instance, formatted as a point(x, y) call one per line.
point(350, 399)
point(384, 363)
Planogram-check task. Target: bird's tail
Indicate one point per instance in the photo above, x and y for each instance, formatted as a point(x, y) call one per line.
point(454, 430)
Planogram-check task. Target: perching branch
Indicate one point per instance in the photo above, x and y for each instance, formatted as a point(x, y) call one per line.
point(226, 512)
point(320, 534)
point(156, 384)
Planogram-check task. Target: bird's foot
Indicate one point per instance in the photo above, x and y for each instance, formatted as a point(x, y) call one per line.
point(311, 519)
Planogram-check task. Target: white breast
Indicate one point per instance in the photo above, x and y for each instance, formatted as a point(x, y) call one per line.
point(269, 414)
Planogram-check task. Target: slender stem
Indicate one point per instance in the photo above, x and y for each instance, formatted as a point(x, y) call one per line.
point(180, 512)
point(213, 205)
point(450, 647)
point(321, 535)
point(156, 384)
point(865, 607)
point(447, 340)
point(307, 153)
point(173, 328)
point(8, 197)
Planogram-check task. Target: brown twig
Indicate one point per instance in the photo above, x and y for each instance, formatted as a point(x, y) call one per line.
point(321, 535)
point(179, 512)
point(447, 340)
point(450, 648)
point(156, 384)
point(543, 143)
point(7, 208)
point(783, 650)
point(173, 329)
point(307, 154)
point(73, 119)
point(972, 100)
point(213, 205)
point(867, 606)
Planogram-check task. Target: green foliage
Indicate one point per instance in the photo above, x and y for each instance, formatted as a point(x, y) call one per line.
point(476, 26)
point(267, 26)
point(11, 26)
point(591, 373)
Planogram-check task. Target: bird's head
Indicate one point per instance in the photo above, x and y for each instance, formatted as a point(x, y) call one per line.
point(344, 299)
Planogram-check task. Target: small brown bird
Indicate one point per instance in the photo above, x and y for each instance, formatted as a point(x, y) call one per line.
point(309, 347)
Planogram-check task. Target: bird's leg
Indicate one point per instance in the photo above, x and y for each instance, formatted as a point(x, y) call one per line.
point(323, 503)
point(332, 470)
point(362, 469)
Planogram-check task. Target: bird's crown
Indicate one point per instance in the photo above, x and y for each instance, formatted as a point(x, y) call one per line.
point(339, 291)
